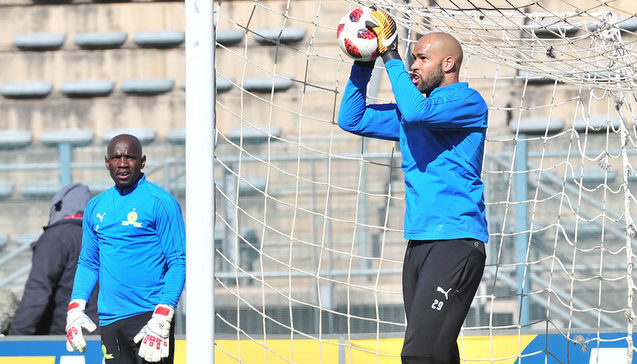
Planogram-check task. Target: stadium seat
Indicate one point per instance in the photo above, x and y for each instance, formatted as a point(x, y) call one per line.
point(26, 238)
point(4, 241)
point(39, 41)
point(147, 86)
point(26, 89)
point(98, 187)
point(537, 125)
point(253, 134)
point(100, 40)
point(628, 24)
point(555, 29)
point(74, 137)
point(534, 79)
point(591, 176)
point(176, 136)
point(145, 135)
point(159, 39)
point(6, 190)
point(584, 229)
point(39, 189)
point(267, 84)
point(597, 123)
point(272, 36)
point(247, 187)
point(229, 37)
point(15, 139)
point(603, 76)
point(252, 186)
point(223, 84)
point(87, 88)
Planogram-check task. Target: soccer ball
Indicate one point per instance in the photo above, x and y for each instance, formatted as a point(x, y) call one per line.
point(354, 38)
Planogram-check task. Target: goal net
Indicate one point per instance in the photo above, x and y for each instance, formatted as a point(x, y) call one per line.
point(308, 226)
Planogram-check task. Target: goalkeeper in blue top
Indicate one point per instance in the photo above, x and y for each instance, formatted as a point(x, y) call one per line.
point(441, 125)
point(134, 243)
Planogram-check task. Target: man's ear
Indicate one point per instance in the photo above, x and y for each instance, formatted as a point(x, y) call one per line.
point(143, 161)
point(106, 161)
point(448, 64)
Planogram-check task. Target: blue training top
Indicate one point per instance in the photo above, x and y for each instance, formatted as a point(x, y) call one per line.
point(442, 144)
point(134, 241)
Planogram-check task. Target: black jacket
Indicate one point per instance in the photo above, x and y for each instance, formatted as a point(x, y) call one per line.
point(47, 292)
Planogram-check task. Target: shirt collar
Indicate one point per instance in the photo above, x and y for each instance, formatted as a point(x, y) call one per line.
point(131, 188)
point(448, 88)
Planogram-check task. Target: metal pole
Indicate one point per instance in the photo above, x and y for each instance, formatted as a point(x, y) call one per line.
point(200, 126)
point(522, 225)
point(64, 150)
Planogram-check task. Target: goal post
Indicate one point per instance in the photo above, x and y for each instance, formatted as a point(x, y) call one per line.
point(308, 219)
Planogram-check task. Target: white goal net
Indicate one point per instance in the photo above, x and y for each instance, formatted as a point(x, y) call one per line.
point(308, 234)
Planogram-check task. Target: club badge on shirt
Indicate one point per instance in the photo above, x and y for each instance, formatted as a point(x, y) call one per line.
point(132, 219)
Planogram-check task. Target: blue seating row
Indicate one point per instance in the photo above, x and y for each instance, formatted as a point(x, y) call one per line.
point(145, 86)
point(46, 41)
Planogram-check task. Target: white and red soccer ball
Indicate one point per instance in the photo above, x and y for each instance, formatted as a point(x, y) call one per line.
point(354, 38)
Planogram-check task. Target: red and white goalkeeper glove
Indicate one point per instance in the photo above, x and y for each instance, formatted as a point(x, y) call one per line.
point(155, 334)
point(76, 319)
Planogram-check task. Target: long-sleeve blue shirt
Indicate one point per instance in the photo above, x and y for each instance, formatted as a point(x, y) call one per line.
point(442, 144)
point(134, 243)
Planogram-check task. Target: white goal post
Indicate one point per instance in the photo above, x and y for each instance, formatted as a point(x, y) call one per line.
point(308, 219)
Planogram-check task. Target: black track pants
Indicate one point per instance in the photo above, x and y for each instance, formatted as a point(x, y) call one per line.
point(118, 346)
point(440, 279)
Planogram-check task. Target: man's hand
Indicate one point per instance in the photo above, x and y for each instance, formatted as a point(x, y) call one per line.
point(155, 333)
point(76, 319)
point(385, 29)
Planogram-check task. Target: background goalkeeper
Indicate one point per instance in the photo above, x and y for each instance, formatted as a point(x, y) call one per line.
point(134, 242)
point(441, 126)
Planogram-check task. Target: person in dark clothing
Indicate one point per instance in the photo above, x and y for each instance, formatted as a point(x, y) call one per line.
point(47, 292)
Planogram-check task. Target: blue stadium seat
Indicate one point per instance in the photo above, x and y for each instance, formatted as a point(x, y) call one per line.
point(229, 37)
point(252, 186)
point(537, 125)
point(253, 134)
point(100, 40)
point(147, 86)
point(4, 241)
point(597, 123)
point(223, 84)
point(555, 29)
point(39, 41)
point(628, 24)
point(159, 39)
point(26, 238)
point(26, 89)
point(591, 176)
point(267, 84)
point(272, 36)
point(176, 136)
point(534, 79)
point(87, 88)
point(145, 135)
point(39, 189)
point(15, 139)
point(98, 187)
point(74, 137)
point(6, 190)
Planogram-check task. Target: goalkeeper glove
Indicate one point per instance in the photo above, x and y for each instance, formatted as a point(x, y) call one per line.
point(155, 334)
point(76, 319)
point(386, 32)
